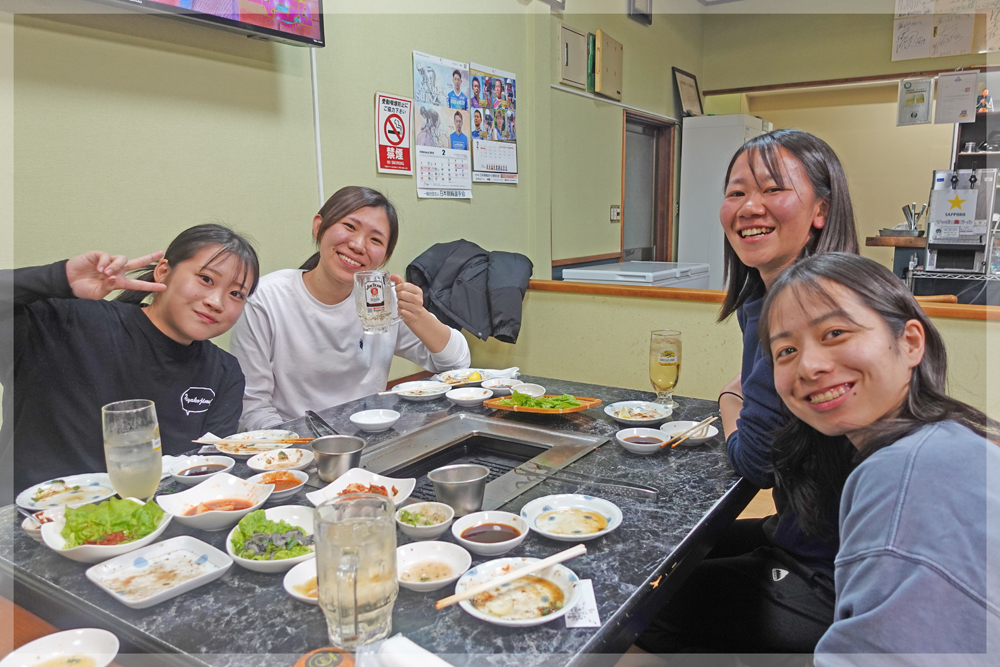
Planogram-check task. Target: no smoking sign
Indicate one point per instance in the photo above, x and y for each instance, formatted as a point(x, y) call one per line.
point(392, 125)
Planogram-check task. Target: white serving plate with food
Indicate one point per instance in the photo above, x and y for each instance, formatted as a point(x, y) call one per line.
point(489, 517)
point(300, 582)
point(421, 390)
point(69, 491)
point(500, 386)
point(643, 449)
point(95, 553)
point(181, 463)
point(289, 458)
point(359, 476)
point(462, 375)
point(375, 421)
point(159, 572)
point(637, 413)
point(672, 429)
point(571, 517)
point(85, 647)
point(34, 528)
point(432, 520)
point(218, 488)
point(428, 566)
point(517, 605)
point(295, 515)
point(284, 494)
point(246, 451)
point(469, 397)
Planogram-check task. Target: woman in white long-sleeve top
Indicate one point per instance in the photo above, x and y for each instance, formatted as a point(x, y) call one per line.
point(300, 342)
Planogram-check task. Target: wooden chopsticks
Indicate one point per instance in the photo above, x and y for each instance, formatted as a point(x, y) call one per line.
point(224, 441)
point(681, 437)
point(572, 552)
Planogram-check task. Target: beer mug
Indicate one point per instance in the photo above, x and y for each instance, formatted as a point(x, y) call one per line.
point(374, 297)
point(356, 567)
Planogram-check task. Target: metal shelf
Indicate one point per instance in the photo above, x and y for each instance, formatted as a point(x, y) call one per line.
point(956, 276)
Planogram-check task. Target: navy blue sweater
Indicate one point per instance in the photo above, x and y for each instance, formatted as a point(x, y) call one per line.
point(749, 447)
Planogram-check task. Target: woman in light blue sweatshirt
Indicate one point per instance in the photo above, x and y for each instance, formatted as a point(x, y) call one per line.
point(862, 370)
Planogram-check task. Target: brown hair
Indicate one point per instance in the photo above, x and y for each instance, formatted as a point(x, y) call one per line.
point(347, 200)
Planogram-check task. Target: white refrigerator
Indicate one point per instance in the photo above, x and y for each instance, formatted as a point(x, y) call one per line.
point(707, 146)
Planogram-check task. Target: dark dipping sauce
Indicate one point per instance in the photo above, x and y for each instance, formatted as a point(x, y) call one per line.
point(197, 471)
point(643, 440)
point(490, 533)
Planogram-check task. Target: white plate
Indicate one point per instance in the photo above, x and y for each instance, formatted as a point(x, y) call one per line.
point(424, 394)
point(404, 487)
point(246, 451)
point(560, 575)
point(303, 477)
point(159, 572)
point(451, 555)
point(469, 397)
point(216, 487)
point(296, 515)
point(662, 412)
point(536, 508)
point(460, 375)
point(269, 461)
point(99, 645)
point(94, 487)
point(95, 553)
point(181, 463)
point(301, 575)
point(676, 428)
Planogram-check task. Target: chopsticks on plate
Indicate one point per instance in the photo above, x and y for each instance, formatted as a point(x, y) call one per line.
point(439, 385)
point(224, 441)
point(681, 437)
point(572, 552)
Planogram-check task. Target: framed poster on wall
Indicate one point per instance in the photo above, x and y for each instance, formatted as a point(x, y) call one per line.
point(688, 93)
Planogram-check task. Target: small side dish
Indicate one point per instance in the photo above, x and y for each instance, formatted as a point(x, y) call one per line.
point(490, 533)
point(301, 582)
point(571, 517)
point(528, 601)
point(292, 458)
point(273, 540)
point(424, 521)
point(85, 647)
point(359, 480)
point(73, 490)
point(428, 566)
point(93, 533)
point(217, 503)
point(244, 451)
point(638, 413)
point(642, 441)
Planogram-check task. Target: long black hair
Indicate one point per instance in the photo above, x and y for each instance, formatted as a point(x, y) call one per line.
point(812, 467)
point(347, 200)
point(830, 185)
point(189, 242)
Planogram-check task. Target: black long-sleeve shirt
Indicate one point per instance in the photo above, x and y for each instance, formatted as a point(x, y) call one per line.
point(72, 356)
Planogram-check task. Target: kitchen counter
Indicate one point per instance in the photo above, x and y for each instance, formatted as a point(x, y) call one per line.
point(246, 617)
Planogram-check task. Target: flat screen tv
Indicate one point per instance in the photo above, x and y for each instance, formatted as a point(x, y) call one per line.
point(298, 22)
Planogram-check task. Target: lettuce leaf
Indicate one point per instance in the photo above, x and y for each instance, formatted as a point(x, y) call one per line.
point(256, 523)
point(89, 523)
point(549, 402)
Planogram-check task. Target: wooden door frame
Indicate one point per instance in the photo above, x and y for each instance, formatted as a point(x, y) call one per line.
point(663, 224)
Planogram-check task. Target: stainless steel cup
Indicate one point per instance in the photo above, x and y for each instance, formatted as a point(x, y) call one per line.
point(336, 454)
point(461, 486)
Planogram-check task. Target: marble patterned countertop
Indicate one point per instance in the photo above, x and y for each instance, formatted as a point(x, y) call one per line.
point(246, 617)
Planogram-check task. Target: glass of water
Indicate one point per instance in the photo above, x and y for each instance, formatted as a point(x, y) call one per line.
point(132, 447)
point(374, 296)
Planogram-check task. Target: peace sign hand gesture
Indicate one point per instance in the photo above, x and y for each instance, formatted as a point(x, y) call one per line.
point(96, 274)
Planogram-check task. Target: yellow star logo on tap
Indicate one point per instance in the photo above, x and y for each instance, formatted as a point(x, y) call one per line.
point(955, 203)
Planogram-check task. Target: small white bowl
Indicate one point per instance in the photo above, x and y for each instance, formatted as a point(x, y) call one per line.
point(661, 411)
point(536, 508)
point(375, 421)
point(425, 532)
point(636, 448)
point(301, 575)
point(454, 557)
point(34, 529)
point(100, 646)
point(404, 487)
point(299, 459)
point(532, 390)
point(493, 516)
point(469, 397)
point(182, 463)
point(296, 515)
point(303, 477)
point(95, 553)
point(672, 429)
point(500, 386)
point(217, 487)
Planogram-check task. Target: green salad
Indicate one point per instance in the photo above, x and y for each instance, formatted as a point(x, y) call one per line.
point(112, 522)
point(257, 538)
point(549, 402)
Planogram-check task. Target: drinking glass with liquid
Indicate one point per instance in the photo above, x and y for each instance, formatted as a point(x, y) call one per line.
point(356, 567)
point(132, 447)
point(374, 295)
point(665, 364)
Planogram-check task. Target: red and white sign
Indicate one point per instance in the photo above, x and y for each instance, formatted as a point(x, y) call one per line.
point(392, 125)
